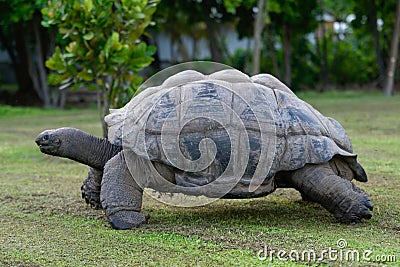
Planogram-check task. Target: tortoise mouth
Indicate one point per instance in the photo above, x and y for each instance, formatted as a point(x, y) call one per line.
point(45, 147)
point(48, 148)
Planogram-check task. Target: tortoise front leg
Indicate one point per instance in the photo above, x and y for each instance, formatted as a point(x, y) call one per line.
point(91, 188)
point(120, 196)
point(345, 200)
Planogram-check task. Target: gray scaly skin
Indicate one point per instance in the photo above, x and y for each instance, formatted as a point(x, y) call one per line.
point(91, 188)
point(121, 197)
point(319, 183)
point(77, 145)
point(108, 168)
point(58, 143)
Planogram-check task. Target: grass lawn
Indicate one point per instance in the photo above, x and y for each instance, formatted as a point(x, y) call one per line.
point(44, 221)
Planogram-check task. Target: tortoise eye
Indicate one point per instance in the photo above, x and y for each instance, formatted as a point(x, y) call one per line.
point(45, 137)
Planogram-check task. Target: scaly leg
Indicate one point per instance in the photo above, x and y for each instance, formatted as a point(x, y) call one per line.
point(120, 196)
point(345, 200)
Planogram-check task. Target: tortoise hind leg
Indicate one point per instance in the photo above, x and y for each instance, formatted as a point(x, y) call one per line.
point(120, 195)
point(346, 201)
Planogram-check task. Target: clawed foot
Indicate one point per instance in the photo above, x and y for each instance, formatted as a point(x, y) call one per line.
point(353, 207)
point(127, 219)
point(341, 197)
point(91, 195)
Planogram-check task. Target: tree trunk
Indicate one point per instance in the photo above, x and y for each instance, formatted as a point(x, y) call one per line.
point(182, 49)
point(394, 47)
point(322, 51)
point(34, 75)
point(172, 50)
point(41, 70)
point(17, 52)
point(287, 51)
point(176, 38)
point(247, 59)
point(224, 49)
point(271, 47)
point(106, 111)
point(194, 48)
point(324, 73)
point(259, 24)
point(101, 95)
point(372, 21)
point(216, 53)
point(63, 99)
point(103, 105)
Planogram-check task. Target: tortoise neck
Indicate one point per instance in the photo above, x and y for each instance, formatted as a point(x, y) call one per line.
point(88, 149)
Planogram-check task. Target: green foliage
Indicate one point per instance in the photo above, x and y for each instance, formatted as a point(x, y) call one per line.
point(363, 9)
point(13, 11)
point(238, 59)
point(103, 46)
point(298, 15)
point(351, 64)
point(304, 70)
point(231, 6)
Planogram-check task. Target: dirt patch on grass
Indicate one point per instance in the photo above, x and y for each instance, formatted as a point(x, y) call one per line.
point(11, 262)
point(50, 204)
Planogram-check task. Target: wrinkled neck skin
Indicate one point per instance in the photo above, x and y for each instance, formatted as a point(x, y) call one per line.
point(87, 149)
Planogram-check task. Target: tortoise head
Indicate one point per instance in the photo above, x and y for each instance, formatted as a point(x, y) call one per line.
point(77, 145)
point(49, 141)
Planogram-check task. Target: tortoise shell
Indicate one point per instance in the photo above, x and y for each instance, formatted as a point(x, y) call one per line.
point(227, 125)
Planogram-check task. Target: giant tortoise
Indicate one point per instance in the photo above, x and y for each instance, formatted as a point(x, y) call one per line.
point(223, 135)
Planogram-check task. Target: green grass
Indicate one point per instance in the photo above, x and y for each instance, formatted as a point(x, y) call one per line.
point(44, 222)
